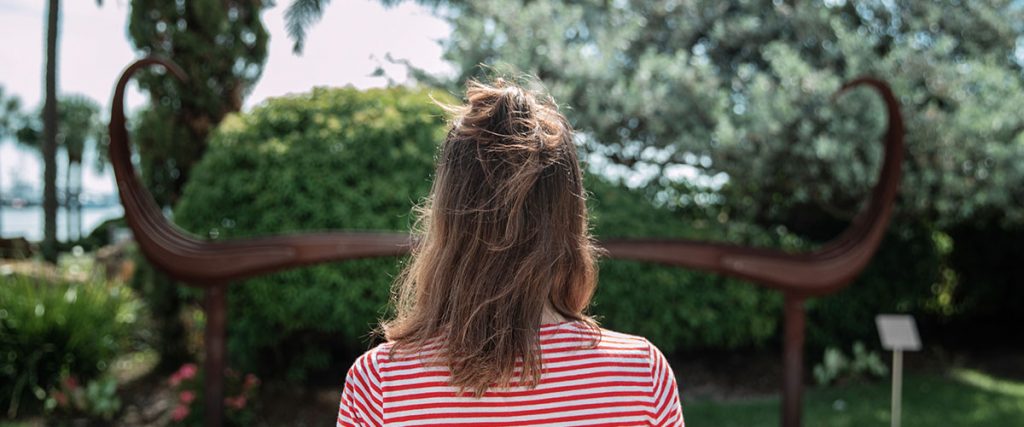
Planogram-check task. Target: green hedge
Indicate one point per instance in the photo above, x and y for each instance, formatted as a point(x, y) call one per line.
point(678, 309)
point(48, 329)
point(899, 279)
point(330, 159)
point(988, 297)
point(349, 159)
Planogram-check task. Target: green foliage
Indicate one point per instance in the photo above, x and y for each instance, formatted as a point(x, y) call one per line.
point(10, 113)
point(836, 366)
point(329, 159)
point(49, 330)
point(742, 88)
point(188, 386)
point(986, 295)
point(222, 47)
point(732, 101)
point(163, 298)
point(344, 159)
point(78, 122)
point(300, 15)
point(683, 310)
point(677, 309)
point(97, 399)
point(899, 279)
point(100, 235)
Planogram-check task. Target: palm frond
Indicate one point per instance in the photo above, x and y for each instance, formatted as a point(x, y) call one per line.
point(299, 16)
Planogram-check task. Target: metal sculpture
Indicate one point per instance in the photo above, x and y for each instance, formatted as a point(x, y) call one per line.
point(214, 264)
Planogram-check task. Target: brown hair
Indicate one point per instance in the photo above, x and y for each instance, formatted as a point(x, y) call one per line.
point(503, 232)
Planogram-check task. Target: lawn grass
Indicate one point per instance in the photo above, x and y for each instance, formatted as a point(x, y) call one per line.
point(961, 398)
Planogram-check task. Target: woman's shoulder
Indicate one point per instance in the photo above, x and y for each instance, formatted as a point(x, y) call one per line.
point(370, 362)
point(602, 339)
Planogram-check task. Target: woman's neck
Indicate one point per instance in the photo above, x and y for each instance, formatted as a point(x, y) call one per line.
point(551, 316)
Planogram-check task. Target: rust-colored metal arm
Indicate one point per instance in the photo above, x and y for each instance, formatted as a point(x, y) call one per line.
point(203, 262)
point(823, 271)
point(199, 262)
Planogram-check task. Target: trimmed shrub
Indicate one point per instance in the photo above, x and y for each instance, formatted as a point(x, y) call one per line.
point(987, 295)
point(678, 309)
point(330, 159)
point(899, 279)
point(54, 329)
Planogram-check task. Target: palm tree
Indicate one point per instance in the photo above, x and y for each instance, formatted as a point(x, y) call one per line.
point(78, 122)
point(299, 16)
point(10, 114)
point(49, 145)
point(302, 14)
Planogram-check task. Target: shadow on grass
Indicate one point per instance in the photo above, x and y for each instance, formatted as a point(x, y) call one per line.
point(962, 398)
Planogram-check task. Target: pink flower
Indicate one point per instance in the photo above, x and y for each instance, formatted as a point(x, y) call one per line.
point(186, 397)
point(237, 402)
point(179, 413)
point(70, 383)
point(188, 371)
point(185, 372)
point(250, 382)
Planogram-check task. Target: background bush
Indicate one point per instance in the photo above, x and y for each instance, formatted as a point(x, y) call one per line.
point(677, 309)
point(346, 159)
point(329, 159)
point(49, 329)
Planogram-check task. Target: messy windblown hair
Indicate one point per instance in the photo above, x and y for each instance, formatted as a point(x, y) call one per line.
point(503, 233)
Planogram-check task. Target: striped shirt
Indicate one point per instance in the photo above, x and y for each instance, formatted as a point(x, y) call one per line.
point(622, 381)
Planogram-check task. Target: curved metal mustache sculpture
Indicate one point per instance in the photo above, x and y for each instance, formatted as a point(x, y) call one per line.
point(213, 264)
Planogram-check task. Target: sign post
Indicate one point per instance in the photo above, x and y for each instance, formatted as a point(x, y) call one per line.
point(898, 333)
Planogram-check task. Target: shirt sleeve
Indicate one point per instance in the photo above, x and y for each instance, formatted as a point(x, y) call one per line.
point(666, 409)
point(361, 399)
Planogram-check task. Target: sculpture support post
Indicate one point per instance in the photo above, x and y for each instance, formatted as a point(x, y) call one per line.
point(215, 306)
point(792, 360)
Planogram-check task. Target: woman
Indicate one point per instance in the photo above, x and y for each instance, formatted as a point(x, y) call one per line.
point(490, 325)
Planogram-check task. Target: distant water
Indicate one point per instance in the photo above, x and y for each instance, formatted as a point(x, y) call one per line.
point(28, 222)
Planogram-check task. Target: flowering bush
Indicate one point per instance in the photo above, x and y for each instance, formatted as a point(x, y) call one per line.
point(51, 328)
point(187, 383)
point(96, 400)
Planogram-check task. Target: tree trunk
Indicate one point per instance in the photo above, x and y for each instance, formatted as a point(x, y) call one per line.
point(1, 208)
point(69, 203)
point(50, 138)
point(79, 181)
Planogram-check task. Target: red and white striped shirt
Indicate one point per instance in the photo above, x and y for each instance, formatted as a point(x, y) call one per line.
point(623, 380)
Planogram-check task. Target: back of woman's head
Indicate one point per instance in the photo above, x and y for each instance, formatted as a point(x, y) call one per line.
point(502, 235)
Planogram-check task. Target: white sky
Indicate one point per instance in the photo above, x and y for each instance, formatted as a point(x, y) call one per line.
point(342, 49)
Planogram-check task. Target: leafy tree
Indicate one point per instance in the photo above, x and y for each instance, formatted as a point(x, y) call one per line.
point(222, 47)
point(742, 88)
point(735, 97)
point(726, 107)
